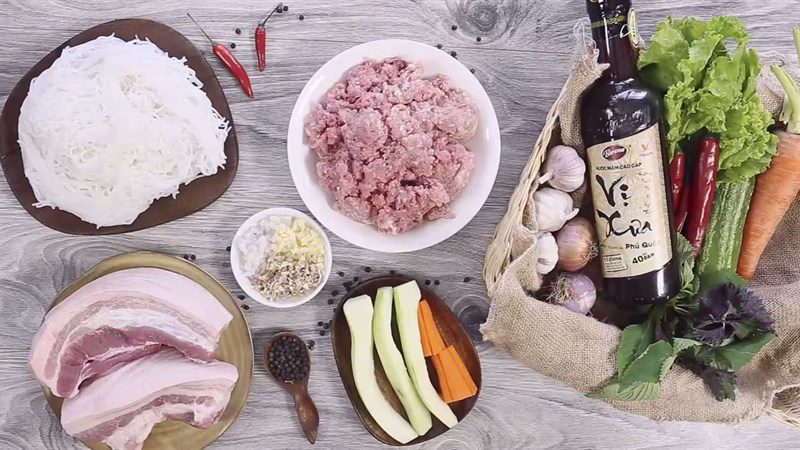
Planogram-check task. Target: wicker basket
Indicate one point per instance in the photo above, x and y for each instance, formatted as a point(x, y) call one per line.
point(681, 391)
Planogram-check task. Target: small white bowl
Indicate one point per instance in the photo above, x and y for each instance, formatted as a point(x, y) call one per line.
point(485, 145)
point(245, 284)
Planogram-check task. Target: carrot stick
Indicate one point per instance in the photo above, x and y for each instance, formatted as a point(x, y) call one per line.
point(434, 338)
point(473, 389)
point(423, 332)
point(444, 387)
point(461, 386)
point(774, 193)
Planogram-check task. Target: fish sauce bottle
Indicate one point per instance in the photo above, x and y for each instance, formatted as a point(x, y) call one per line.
point(622, 131)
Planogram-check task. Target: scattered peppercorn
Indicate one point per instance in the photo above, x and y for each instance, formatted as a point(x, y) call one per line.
point(478, 39)
point(355, 279)
point(288, 360)
point(322, 332)
point(330, 301)
point(393, 272)
point(240, 297)
point(279, 9)
point(311, 344)
point(439, 46)
point(245, 307)
point(228, 248)
point(319, 324)
point(341, 274)
point(347, 285)
point(454, 27)
point(467, 279)
point(436, 282)
point(233, 44)
point(472, 70)
point(335, 293)
point(301, 17)
point(326, 326)
point(192, 257)
point(368, 269)
point(285, 8)
point(453, 53)
point(427, 282)
point(238, 31)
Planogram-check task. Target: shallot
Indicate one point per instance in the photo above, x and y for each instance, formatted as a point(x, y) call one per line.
point(576, 244)
point(574, 291)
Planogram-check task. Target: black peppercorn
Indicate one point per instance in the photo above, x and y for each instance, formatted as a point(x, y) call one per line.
point(368, 269)
point(335, 293)
point(467, 279)
point(238, 31)
point(228, 248)
point(439, 46)
point(240, 297)
point(288, 361)
point(319, 324)
point(453, 54)
point(427, 282)
point(192, 257)
point(245, 307)
point(341, 274)
point(326, 326)
point(301, 17)
point(285, 8)
point(436, 282)
point(233, 44)
point(330, 301)
point(355, 279)
point(472, 70)
point(311, 344)
point(454, 27)
point(478, 38)
point(322, 332)
point(393, 272)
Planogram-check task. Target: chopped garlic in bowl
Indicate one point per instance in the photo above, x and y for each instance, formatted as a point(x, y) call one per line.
point(281, 257)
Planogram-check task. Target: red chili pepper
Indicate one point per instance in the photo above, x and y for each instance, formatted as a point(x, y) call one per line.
point(682, 209)
point(702, 192)
point(261, 39)
point(230, 62)
point(677, 167)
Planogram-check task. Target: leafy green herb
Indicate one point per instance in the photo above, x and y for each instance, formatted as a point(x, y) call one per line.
point(708, 88)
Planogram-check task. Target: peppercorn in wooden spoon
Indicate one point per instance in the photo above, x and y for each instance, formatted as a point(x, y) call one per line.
point(287, 359)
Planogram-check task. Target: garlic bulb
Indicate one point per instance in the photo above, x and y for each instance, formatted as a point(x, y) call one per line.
point(564, 169)
point(546, 253)
point(576, 244)
point(574, 291)
point(552, 209)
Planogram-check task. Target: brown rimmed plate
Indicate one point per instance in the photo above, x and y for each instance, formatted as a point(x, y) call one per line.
point(192, 197)
point(453, 334)
point(235, 347)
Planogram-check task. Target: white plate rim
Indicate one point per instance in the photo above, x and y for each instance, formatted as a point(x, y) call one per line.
point(320, 206)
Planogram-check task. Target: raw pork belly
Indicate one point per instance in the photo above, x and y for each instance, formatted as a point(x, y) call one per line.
point(120, 317)
point(121, 408)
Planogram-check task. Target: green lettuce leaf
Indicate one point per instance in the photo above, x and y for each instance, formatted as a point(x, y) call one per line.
point(707, 88)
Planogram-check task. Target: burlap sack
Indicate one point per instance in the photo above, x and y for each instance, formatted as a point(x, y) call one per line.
point(581, 351)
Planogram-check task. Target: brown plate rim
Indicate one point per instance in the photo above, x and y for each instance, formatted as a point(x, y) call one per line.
point(100, 269)
point(339, 325)
point(161, 211)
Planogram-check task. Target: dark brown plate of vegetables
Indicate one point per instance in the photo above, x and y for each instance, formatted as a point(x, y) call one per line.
point(451, 331)
point(192, 197)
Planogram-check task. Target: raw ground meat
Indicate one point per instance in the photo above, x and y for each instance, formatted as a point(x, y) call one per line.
point(390, 144)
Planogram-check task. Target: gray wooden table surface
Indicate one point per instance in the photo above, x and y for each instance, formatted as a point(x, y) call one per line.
point(522, 61)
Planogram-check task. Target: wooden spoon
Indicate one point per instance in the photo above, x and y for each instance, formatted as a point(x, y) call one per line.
point(306, 409)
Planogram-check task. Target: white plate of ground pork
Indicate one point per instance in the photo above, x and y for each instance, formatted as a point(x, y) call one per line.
point(394, 145)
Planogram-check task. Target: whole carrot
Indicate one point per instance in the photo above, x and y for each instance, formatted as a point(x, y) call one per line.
point(775, 190)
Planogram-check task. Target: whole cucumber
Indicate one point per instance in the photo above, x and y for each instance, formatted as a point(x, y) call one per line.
point(723, 239)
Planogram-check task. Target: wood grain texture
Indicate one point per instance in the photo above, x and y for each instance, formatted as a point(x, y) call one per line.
point(522, 61)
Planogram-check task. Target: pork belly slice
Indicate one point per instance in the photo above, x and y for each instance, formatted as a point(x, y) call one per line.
point(120, 317)
point(121, 408)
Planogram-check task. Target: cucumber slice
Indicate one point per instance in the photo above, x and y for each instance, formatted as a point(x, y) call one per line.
point(406, 302)
point(358, 312)
point(393, 364)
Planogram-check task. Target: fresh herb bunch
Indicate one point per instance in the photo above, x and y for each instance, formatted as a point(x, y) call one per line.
point(713, 327)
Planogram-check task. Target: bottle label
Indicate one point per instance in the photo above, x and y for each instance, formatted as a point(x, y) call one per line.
point(630, 204)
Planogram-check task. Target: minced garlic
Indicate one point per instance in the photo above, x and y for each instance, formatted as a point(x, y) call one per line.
point(294, 263)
